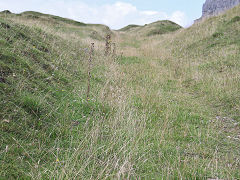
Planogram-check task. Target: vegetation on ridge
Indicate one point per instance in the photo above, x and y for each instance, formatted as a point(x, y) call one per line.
point(156, 28)
point(129, 27)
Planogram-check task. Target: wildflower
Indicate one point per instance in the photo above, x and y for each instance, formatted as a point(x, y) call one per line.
point(57, 160)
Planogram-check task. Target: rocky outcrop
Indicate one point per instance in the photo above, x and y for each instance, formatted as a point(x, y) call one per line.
point(215, 7)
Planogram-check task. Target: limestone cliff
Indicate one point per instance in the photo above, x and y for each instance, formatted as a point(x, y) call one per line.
point(215, 7)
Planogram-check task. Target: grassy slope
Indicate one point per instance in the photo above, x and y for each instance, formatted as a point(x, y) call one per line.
point(156, 28)
point(42, 93)
point(191, 77)
point(65, 28)
point(129, 27)
point(168, 108)
point(130, 36)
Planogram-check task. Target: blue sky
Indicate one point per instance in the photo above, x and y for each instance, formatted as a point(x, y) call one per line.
point(115, 14)
point(192, 8)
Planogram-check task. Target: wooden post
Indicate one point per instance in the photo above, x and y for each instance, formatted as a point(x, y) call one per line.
point(89, 69)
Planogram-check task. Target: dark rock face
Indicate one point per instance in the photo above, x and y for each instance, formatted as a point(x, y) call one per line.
point(214, 7)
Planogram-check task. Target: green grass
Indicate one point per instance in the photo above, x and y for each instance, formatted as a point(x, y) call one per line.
point(156, 28)
point(38, 101)
point(129, 27)
point(163, 27)
point(129, 60)
point(32, 14)
point(167, 108)
point(65, 28)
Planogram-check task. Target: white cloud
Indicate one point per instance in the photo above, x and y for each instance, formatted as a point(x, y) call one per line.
point(149, 13)
point(115, 15)
point(179, 18)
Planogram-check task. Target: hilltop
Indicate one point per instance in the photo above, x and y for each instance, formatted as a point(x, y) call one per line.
point(155, 28)
point(165, 106)
point(60, 25)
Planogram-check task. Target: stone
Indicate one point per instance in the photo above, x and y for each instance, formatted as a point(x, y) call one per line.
point(215, 7)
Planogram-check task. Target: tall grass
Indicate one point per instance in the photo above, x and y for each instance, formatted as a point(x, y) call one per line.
point(166, 109)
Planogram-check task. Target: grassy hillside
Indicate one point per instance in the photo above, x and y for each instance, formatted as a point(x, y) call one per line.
point(156, 28)
point(42, 84)
point(131, 37)
point(65, 28)
point(129, 27)
point(166, 108)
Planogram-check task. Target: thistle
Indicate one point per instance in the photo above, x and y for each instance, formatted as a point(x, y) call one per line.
point(89, 69)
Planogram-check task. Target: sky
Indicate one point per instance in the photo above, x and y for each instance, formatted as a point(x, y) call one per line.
point(115, 14)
